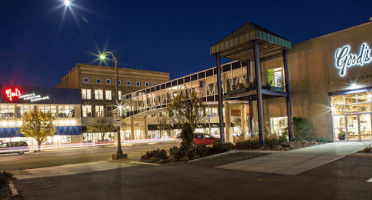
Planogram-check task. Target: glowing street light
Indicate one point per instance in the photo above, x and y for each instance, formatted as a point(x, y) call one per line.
point(119, 154)
point(67, 3)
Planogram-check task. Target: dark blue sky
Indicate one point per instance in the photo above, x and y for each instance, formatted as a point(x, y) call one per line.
point(37, 48)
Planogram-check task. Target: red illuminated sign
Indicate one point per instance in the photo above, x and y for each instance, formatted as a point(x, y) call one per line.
point(10, 93)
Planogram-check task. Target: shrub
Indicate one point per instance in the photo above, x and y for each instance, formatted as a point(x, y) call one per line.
point(321, 140)
point(301, 129)
point(274, 141)
point(219, 147)
point(5, 178)
point(201, 150)
point(155, 155)
point(248, 144)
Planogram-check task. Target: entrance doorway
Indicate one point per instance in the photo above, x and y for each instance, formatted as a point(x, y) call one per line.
point(352, 117)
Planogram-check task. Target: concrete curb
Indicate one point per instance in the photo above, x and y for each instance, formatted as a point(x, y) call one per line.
point(226, 153)
point(359, 155)
point(144, 163)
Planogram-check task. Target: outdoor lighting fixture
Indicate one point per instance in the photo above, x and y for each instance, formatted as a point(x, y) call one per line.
point(353, 85)
point(67, 3)
point(102, 56)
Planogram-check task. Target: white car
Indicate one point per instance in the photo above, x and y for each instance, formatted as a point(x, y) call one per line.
point(14, 147)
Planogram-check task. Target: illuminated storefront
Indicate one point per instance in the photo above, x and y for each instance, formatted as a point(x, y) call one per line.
point(63, 104)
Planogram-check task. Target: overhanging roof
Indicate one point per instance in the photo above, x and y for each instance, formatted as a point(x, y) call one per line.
point(239, 44)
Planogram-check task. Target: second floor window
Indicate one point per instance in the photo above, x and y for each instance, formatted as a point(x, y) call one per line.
point(108, 95)
point(87, 111)
point(108, 81)
point(119, 95)
point(98, 80)
point(98, 111)
point(147, 84)
point(86, 80)
point(86, 94)
point(129, 83)
point(138, 83)
point(98, 94)
point(119, 82)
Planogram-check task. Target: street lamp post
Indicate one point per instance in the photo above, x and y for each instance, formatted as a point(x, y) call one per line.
point(119, 153)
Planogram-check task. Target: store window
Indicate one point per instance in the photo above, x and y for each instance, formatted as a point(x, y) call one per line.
point(7, 111)
point(48, 108)
point(352, 116)
point(65, 139)
point(108, 81)
point(86, 80)
point(98, 80)
point(22, 109)
point(66, 111)
point(99, 111)
point(278, 125)
point(87, 110)
point(98, 94)
point(108, 95)
point(86, 94)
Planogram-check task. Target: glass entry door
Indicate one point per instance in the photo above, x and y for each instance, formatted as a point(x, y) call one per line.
point(365, 126)
point(352, 127)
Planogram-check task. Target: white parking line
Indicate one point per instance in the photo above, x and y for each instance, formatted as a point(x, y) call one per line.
point(369, 180)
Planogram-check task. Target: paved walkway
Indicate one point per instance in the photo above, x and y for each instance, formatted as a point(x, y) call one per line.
point(69, 169)
point(297, 161)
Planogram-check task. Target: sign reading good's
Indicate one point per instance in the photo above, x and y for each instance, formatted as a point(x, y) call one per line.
point(344, 59)
point(11, 94)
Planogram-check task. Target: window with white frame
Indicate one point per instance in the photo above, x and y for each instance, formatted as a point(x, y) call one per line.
point(119, 82)
point(86, 94)
point(147, 84)
point(98, 80)
point(7, 111)
point(66, 111)
point(129, 83)
point(22, 109)
point(98, 111)
point(108, 81)
point(138, 83)
point(86, 80)
point(108, 95)
point(48, 108)
point(98, 94)
point(87, 110)
point(155, 83)
point(119, 95)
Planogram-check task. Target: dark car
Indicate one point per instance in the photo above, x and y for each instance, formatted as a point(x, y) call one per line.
point(14, 147)
point(204, 138)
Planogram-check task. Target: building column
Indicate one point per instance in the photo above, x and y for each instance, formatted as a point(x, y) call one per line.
point(146, 129)
point(244, 121)
point(251, 119)
point(132, 128)
point(228, 122)
point(220, 100)
point(257, 68)
point(248, 71)
point(288, 97)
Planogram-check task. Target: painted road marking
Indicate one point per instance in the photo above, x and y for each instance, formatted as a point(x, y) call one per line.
point(369, 180)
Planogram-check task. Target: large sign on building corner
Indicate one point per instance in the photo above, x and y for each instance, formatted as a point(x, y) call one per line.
point(344, 59)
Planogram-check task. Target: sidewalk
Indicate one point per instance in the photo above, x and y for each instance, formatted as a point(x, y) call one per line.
point(297, 161)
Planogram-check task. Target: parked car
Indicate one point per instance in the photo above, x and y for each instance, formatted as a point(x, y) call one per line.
point(14, 147)
point(204, 138)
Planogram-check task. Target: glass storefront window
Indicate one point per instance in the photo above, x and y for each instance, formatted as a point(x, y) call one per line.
point(338, 100)
point(350, 98)
point(351, 108)
point(66, 111)
point(364, 107)
point(339, 109)
point(339, 126)
point(365, 126)
point(278, 125)
point(7, 111)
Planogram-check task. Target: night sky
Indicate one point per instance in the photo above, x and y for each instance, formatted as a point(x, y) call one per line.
point(38, 46)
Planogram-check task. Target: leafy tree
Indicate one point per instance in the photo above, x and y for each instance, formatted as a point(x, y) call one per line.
point(164, 124)
point(187, 109)
point(38, 125)
point(101, 125)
